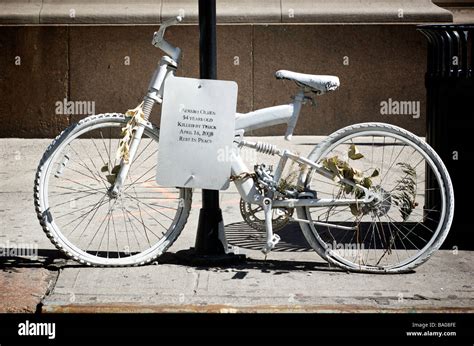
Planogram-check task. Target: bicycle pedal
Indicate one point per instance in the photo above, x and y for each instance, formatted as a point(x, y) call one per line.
point(270, 245)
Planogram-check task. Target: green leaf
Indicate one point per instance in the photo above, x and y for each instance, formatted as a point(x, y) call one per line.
point(375, 173)
point(332, 164)
point(116, 169)
point(355, 210)
point(348, 188)
point(111, 178)
point(354, 153)
point(367, 183)
point(358, 193)
point(104, 168)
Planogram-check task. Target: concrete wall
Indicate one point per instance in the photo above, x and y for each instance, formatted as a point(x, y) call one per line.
point(89, 63)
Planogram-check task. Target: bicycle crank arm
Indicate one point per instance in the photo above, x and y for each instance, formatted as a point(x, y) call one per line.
point(272, 239)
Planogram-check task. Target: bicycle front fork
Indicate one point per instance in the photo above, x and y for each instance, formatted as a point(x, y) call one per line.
point(135, 142)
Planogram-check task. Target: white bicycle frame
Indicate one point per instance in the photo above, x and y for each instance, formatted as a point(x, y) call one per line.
point(261, 118)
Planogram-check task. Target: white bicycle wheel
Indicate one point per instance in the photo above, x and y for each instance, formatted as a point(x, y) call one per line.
point(83, 220)
point(413, 211)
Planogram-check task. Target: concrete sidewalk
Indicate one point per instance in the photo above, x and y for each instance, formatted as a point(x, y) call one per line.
point(292, 278)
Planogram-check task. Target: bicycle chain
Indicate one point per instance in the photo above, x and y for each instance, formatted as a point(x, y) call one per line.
point(243, 176)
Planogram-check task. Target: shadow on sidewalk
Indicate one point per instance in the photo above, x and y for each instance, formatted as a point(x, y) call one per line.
point(55, 260)
point(291, 238)
point(45, 258)
point(238, 234)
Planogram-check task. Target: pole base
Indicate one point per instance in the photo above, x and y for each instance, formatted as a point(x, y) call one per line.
point(211, 242)
point(210, 236)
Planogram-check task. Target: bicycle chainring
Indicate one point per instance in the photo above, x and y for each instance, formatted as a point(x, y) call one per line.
point(253, 215)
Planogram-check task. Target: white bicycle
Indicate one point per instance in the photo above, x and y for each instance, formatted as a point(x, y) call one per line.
point(371, 197)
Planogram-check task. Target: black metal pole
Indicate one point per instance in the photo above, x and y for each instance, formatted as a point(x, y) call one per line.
point(208, 249)
point(207, 39)
point(210, 216)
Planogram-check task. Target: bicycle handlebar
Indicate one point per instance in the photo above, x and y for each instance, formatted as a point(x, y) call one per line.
point(159, 41)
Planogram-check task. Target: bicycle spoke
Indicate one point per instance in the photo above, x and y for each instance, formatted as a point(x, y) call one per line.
point(97, 205)
point(148, 171)
point(161, 213)
point(93, 164)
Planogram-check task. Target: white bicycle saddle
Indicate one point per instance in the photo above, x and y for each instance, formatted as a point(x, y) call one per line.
point(320, 84)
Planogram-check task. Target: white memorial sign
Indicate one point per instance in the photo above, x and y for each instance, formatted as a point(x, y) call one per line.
point(197, 126)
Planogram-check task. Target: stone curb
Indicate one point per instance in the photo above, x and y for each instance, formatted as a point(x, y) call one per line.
point(70, 12)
